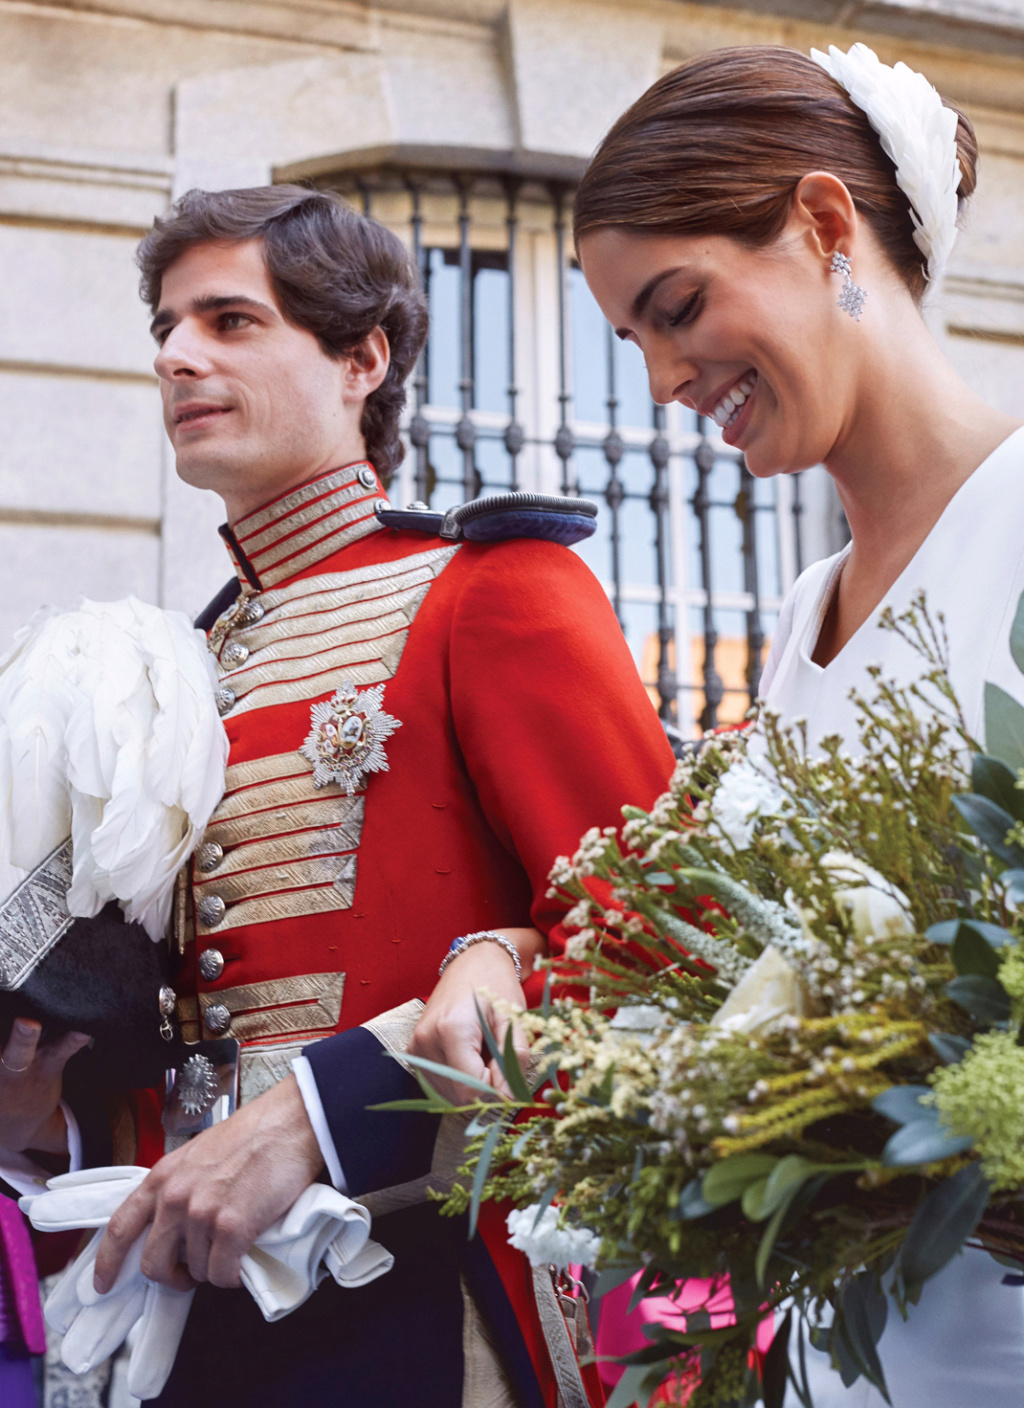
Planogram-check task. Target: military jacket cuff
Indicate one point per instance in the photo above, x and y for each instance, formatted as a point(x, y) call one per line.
point(379, 1148)
point(315, 1110)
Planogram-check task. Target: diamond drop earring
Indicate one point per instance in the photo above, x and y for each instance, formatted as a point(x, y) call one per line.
point(851, 300)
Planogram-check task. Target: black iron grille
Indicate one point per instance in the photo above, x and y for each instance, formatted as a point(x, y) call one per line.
point(523, 386)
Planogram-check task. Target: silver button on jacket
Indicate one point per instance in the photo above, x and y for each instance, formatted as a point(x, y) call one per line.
point(217, 1018)
point(211, 964)
point(211, 910)
point(208, 856)
point(234, 654)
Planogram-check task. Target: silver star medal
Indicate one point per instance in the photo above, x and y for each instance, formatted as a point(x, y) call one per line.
point(347, 738)
point(198, 1085)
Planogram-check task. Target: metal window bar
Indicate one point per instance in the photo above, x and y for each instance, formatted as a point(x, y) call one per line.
point(468, 427)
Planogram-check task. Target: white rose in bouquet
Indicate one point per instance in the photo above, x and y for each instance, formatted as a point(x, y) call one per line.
point(877, 909)
point(769, 990)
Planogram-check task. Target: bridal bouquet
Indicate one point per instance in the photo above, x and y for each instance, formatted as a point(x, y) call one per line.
point(798, 1070)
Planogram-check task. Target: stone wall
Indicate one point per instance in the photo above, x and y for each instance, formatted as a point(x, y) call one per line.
point(109, 107)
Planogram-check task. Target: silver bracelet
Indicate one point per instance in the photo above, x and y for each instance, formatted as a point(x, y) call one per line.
point(484, 937)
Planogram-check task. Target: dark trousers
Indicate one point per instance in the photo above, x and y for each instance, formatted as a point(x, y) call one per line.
point(395, 1342)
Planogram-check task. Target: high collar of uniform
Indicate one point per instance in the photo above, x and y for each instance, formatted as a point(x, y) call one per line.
point(301, 528)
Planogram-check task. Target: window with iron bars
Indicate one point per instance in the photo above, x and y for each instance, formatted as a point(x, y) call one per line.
point(524, 386)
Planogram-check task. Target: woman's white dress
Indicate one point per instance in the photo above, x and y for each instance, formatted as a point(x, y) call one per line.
point(963, 1345)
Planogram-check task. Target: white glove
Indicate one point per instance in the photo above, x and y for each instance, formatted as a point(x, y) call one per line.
point(324, 1232)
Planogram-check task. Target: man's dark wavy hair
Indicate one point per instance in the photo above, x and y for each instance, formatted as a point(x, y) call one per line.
point(336, 273)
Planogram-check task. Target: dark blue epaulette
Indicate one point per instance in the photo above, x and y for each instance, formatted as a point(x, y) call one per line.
point(553, 517)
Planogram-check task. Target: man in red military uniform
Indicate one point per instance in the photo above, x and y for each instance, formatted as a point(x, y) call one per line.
point(418, 727)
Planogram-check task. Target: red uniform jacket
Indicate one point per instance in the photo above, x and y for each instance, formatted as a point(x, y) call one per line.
point(522, 723)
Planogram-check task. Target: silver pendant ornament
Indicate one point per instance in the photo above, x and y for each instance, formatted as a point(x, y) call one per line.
point(347, 738)
point(852, 297)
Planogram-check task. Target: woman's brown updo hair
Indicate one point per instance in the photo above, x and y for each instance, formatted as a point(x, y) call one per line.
point(719, 145)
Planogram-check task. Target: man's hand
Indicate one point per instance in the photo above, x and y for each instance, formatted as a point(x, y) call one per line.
point(449, 1030)
point(207, 1202)
point(30, 1085)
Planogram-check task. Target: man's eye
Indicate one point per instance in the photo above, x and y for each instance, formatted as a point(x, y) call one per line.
point(230, 322)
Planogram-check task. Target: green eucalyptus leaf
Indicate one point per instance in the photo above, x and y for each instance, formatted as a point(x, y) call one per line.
point(1004, 727)
point(513, 1071)
point(752, 1201)
point(725, 1181)
point(547, 1199)
point(863, 1308)
point(631, 1387)
point(768, 1238)
point(545, 1075)
point(949, 1049)
point(902, 1104)
point(489, 1037)
point(642, 1288)
point(990, 824)
point(692, 1203)
point(971, 953)
point(776, 1365)
point(1017, 635)
point(942, 1223)
point(923, 1142)
point(788, 1175)
point(993, 934)
point(610, 1278)
point(942, 933)
point(849, 1366)
point(984, 998)
point(991, 778)
point(1012, 1263)
point(480, 1174)
point(449, 1072)
point(432, 1104)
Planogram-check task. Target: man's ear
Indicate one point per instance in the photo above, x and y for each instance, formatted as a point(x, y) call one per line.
point(367, 365)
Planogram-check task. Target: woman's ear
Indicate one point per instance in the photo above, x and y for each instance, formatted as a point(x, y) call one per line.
point(824, 215)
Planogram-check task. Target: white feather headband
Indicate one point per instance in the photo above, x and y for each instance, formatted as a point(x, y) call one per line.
point(918, 134)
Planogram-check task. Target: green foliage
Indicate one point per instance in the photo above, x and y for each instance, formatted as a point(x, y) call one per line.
point(793, 951)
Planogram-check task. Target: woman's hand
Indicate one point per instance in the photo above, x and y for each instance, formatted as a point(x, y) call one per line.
point(449, 1030)
point(31, 1077)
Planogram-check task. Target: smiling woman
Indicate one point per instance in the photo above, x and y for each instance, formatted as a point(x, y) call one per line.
point(764, 226)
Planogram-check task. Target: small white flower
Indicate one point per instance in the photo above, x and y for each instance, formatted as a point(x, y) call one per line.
point(743, 795)
point(548, 1243)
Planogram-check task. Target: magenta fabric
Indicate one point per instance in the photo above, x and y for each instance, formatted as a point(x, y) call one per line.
point(21, 1275)
point(620, 1333)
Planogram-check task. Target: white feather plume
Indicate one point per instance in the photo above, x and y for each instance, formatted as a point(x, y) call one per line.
point(917, 132)
point(109, 733)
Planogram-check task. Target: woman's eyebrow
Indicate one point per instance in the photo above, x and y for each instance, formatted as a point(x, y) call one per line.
point(642, 299)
